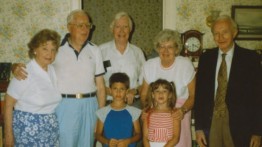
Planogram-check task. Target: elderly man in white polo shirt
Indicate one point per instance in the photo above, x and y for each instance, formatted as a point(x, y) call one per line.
point(121, 56)
point(79, 69)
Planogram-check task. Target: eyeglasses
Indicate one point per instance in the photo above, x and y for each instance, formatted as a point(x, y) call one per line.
point(169, 48)
point(82, 25)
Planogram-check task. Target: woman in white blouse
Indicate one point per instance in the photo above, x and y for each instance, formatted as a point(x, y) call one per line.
point(174, 68)
point(30, 104)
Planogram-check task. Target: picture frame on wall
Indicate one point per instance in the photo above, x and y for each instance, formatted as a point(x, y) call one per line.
point(249, 20)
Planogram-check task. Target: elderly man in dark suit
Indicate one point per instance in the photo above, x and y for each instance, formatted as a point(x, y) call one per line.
point(228, 92)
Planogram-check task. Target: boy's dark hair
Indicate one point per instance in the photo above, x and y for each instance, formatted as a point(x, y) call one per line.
point(119, 77)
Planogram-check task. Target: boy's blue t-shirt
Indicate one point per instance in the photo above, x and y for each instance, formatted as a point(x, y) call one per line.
point(118, 124)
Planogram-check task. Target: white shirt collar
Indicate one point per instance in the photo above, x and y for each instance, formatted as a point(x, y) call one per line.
point(229, 52)
point(126, 50)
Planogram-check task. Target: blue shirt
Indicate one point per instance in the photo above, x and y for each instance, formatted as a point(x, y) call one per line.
point(118, 124)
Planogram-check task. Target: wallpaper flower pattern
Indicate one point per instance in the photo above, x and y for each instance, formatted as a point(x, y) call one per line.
point(192, 15)
point(21, 19)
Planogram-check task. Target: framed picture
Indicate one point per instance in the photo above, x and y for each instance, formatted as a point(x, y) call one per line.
point(249, 20)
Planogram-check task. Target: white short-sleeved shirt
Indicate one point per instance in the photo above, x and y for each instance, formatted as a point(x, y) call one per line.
point(38, 93)
point(76, 74)
point(130, 62)
point(181, 73)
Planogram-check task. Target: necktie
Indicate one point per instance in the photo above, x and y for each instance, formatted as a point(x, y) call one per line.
point(220, 104)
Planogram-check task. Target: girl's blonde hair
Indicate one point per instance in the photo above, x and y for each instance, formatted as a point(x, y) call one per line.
point(170, 86)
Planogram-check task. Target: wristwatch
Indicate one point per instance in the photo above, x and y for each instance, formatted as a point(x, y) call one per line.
point(184, 110)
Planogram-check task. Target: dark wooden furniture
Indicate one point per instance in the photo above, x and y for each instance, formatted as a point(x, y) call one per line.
point(5, 70)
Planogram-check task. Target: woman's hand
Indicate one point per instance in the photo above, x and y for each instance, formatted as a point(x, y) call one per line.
point(178, 114)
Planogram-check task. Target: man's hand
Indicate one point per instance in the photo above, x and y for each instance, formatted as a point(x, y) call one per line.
point(255, 141)
point(18, 70)
point(200, 138)
point(130, 96)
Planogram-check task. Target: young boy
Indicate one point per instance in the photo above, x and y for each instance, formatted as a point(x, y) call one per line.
point(118, 123)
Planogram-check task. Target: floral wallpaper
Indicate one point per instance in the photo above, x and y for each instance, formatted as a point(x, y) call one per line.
point(192, 15)
point(148, 21)
point(21, 19)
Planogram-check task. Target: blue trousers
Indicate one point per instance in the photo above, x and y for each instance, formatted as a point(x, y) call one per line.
point(77, 121)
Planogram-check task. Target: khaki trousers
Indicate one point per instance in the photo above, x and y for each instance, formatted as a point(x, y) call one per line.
point(220, 135)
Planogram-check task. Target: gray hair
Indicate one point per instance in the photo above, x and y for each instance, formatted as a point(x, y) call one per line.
point(169, 35)
point(72, 14)
point(120, 15)
point(233, 24)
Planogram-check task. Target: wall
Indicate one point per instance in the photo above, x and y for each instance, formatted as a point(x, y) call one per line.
point(191, 14)
point(146, 15)
point(20, 19)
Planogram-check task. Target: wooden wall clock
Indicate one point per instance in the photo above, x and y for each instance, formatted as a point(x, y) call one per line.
point(192, 42)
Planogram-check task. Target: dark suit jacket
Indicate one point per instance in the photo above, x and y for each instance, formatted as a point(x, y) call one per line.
point(244, 94)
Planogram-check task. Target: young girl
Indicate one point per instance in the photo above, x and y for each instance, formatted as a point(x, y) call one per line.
point(159, 127)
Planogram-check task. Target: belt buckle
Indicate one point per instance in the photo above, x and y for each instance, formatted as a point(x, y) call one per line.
point(79, 95)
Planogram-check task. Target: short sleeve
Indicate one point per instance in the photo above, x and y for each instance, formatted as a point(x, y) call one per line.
point(134, 112)
point(16, 88)
point(99, 62)
point(148, 70)
point(102, 113)
point(189, 72)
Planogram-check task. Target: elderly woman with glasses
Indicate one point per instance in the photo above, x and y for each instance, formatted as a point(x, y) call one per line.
point(174, 68)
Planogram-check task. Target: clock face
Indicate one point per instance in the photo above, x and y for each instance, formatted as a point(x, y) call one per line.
point(192, 44)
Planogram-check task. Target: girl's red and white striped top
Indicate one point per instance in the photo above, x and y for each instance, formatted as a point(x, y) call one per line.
point(160, 128)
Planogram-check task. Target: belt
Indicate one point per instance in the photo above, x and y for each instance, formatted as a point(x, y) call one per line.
point(79, 95)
